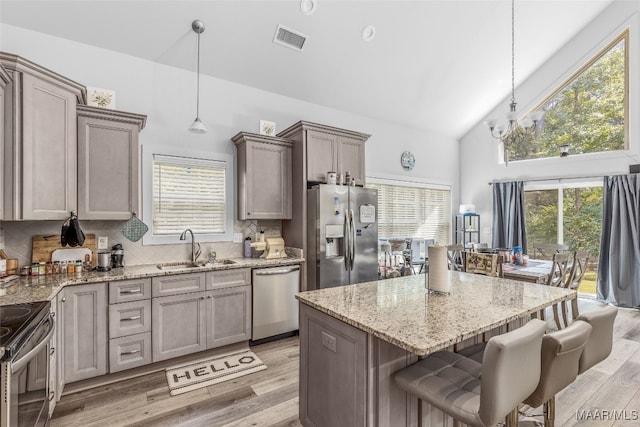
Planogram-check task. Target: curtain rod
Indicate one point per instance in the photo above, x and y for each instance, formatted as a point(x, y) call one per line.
point(559, 179)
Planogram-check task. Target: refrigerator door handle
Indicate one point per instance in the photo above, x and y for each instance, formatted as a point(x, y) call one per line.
point(346, 239)
point(352, 240)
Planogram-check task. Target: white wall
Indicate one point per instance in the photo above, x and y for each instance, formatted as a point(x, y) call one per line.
point(479, 152)
point(167, 96)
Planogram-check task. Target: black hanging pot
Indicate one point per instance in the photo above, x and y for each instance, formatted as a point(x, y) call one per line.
point(71, 233)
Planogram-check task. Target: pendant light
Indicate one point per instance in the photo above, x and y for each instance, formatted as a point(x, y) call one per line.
point(197, 126)
point(515, 132)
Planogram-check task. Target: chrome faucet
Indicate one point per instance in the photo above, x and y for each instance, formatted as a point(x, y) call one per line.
point(194, 254)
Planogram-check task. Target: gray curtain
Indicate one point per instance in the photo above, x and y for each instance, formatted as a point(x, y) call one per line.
point(508, 215)
point(619, 264)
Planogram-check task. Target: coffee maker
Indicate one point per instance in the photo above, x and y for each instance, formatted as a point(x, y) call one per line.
point(117, 256)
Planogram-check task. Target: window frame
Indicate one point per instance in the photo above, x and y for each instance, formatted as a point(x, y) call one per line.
point(417, 184)
point(148, 153)
point(591, 58)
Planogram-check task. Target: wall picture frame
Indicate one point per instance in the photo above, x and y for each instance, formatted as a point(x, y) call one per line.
point(99, 97)
point(267, 128)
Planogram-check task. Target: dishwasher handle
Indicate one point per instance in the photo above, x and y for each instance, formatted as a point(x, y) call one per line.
point(273, 272)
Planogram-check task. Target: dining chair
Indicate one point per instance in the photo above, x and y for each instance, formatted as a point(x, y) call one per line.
point(547, 250)
point(479, 394)
point(455, 255)
point(578, 268)
point(481, 263)
point(559, 276)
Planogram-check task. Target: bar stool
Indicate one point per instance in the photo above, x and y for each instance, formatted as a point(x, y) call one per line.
point(600, 343)
point(479, 394)
point(561, 352)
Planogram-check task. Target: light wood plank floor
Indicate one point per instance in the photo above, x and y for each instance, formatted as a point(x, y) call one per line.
point(270, 397)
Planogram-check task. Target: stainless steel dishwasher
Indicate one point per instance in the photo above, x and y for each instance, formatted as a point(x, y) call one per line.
point(275, 308)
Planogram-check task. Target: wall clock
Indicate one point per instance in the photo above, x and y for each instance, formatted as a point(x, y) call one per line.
point(407, 160)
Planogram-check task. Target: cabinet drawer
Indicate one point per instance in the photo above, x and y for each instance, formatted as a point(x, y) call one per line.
point(129, 290)
point(228, 278)
point(177, 284)
point(129, 352)
point(129, 318)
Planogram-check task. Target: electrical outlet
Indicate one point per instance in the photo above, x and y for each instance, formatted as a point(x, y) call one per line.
point(328, 341)
point(237, 237)
point(103, 242)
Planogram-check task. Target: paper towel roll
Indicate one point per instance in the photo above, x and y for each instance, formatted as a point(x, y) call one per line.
point(438, 270)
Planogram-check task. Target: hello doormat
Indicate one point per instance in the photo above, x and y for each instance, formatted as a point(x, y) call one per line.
point(195, 375)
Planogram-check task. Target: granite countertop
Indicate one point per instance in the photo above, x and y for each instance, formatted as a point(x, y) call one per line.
point(401, 312)
point(44, 288)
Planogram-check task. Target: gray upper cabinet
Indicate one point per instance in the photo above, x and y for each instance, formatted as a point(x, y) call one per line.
point(108, 157)
point(40, 157)
point(264, 176)
point(5, 79)
point(321, 149)
point(84, 325)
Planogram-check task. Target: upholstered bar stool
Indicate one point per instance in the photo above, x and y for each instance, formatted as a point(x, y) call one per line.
point(561, 351)
point(600, 342)
point(479, 394)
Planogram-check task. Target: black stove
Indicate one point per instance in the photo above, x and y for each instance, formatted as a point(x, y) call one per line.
point(16, 322)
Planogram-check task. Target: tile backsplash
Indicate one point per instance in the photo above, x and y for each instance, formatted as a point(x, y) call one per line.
point(17, 236)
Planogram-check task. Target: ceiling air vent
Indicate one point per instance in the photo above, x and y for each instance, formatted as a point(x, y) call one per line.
point(290, 38)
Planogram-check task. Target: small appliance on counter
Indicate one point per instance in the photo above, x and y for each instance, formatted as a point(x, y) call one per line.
point(117, 256)
point(275, 248)
point(104, 261)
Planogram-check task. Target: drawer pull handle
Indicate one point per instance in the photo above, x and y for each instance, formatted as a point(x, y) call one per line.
point(125, 353)
point(132, 291)
point(130, 318)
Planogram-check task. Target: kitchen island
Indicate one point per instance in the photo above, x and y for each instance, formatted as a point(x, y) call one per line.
point(353, 338)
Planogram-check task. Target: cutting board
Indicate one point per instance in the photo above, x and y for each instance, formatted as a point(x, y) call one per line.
point(44, 245)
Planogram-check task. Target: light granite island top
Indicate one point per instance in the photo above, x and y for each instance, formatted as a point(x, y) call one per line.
point(353, 338)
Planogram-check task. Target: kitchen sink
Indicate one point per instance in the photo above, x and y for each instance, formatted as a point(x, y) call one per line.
point(224, 261)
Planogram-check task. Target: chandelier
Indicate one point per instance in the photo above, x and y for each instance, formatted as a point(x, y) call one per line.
point(514, 132)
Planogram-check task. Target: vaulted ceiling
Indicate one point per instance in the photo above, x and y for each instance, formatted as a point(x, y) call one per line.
point(438, 65)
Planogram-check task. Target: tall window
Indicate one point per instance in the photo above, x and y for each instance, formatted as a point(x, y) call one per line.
point(589, 113)
point(567, 215)
point(407, 211)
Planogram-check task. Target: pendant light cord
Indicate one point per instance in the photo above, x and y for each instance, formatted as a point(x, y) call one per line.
point(513, 51)
point(198, 80)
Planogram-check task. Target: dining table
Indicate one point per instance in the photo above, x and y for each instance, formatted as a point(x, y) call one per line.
point(534, 271)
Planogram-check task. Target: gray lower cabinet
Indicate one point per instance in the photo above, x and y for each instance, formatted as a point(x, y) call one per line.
point(84, 320)
point(190, 322)
point(228, 316)
point(178, 325)
point(129, 324)
point(333, 371)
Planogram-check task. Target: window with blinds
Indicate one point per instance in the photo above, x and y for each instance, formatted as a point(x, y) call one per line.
point(405, 211)
point(188, 193)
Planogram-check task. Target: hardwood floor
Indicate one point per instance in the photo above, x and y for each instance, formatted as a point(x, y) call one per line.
point(270, 397)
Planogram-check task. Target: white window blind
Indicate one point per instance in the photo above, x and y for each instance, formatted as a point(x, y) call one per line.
point(413, 212)
point(188, 193)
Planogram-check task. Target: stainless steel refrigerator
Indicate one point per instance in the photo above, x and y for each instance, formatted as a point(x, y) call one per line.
point(342, 235)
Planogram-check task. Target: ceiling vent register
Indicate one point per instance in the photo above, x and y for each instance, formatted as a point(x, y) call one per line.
point(290, 38)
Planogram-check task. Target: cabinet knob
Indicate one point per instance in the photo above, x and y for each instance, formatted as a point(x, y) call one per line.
point(53, 350)
point(208, 296)
point(202, 297)
point(63, 300)
point(52, 394)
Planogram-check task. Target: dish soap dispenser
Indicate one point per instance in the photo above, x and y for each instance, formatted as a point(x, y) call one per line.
point(247, 247)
